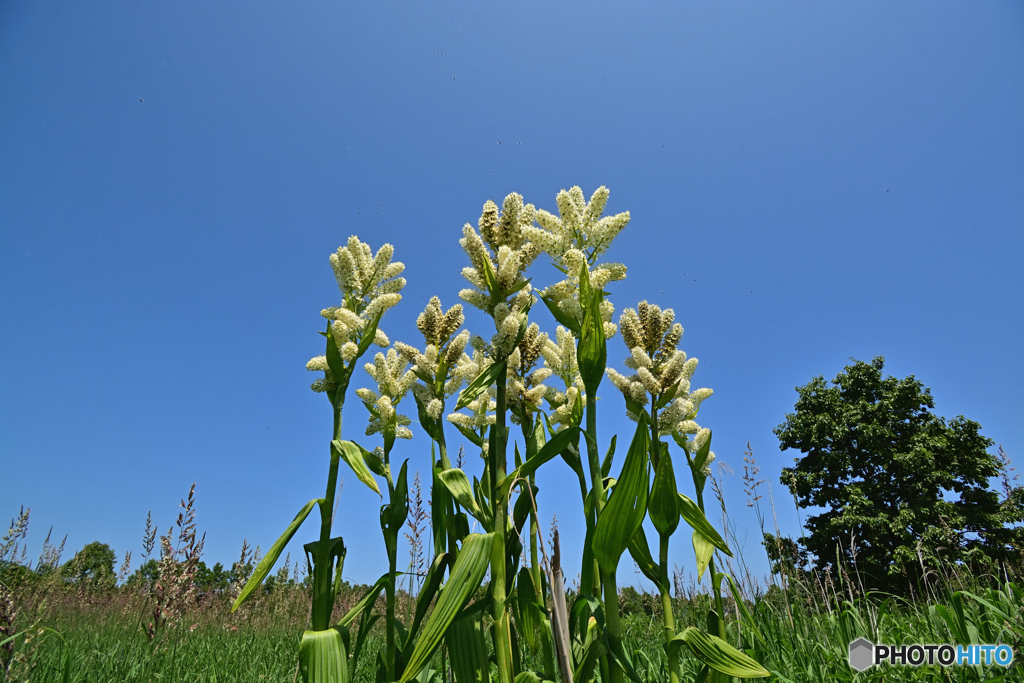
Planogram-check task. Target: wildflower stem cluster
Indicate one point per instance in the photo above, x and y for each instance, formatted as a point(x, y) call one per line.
point(515, 374)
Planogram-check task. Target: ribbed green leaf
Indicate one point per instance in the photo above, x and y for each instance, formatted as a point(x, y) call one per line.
point(485, 379)
point(466, 642)
point(336, 364)
point(640, 551)
point(663, 506)
point(702, 455)
point(471, 435)
point(606, 464)
point(627, 505)
point(464, 579)
point(352, 454)
point(267, 563)
point(530, 615)
point(530, 677)
point(457, 483)
point(719, 655)
point(704, 550)
point(591, 351)
point(430, 585)
point(427, 422)
point(322, 656)
point(491, 280)
point(369, 334)
point(561, 316)
point(548, 451)
point(693, 515)
point(593, 649)
point(369, 597)
point(400, 502)
point(373, 461)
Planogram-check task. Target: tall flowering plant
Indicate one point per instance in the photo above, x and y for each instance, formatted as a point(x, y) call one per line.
point(548, 387)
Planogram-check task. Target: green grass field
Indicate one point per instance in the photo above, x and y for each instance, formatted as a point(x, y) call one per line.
point(100, 635)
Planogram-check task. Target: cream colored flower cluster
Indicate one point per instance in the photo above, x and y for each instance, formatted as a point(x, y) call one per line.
point(652, 337)
point(560, 359)
point(501, 247)
point(507, 319)
point(437, 328)
point(481, 409)
point(525, 390)
point(370, 284)
point(574, 239)
point(393, 382)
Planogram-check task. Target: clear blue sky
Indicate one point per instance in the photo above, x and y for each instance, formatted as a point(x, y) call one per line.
point(808, 182)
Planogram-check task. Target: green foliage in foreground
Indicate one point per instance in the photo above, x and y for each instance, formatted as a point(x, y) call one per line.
point(796, 638)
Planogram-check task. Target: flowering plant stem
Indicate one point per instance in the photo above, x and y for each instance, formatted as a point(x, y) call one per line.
point(668, 618)
point(608, 581)
point(499, 510)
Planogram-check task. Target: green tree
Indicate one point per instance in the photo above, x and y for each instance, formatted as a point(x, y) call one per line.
point(894, 479)
point(92, 566)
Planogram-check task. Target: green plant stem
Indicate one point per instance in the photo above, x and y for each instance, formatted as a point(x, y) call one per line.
point(668, 619)
point(320, 615)
point(389, 588)
point(608, 587)
point(499, 510)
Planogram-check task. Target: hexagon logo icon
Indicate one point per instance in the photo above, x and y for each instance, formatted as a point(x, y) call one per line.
point(862, 654)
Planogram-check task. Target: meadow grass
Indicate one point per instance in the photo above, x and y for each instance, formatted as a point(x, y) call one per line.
point(795, 634)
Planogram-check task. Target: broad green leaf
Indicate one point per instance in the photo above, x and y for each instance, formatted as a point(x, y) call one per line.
point(353, 455)
point(471, 435)
point(369, 334)
point(427, 422)
point(548, 451)
point(704, 550)
point(634, 407)
point(627, 504)
point(491, 280)
point(369, 597)
point(530, 615)
point(400, 502)
point(373, 461)
point(457, 483)
point(702, 455)
point(606, 465)
point(482, 504)
point(663, 508)
point(267, 563)
point(591, 351)
point(469, 652)
point(322, 656)
point(640, 551)
point(334, 360)
point(530, 677)
point(524, 504)
point(441, 376)
point(667, 397)
point(593, 650)
point(693, 515)
point(430, 585)
point(485, 379)
point(463, 581)
point(561, 316)
point(719, 655)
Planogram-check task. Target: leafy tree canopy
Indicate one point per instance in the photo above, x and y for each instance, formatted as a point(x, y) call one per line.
point(894, 479)
point(93, 565)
